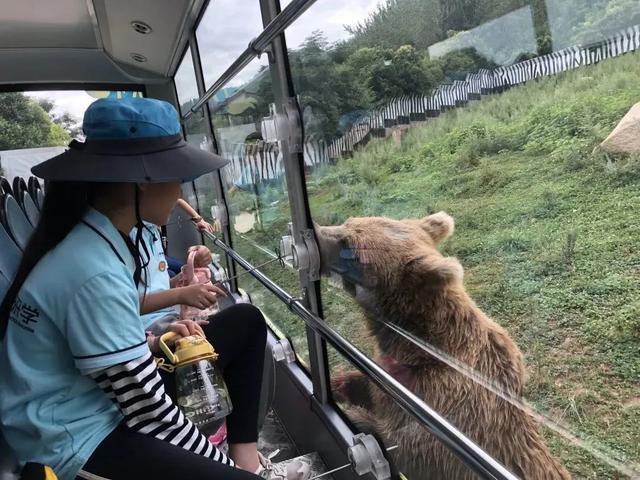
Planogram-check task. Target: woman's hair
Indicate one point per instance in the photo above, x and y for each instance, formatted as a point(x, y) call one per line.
point(65, 204)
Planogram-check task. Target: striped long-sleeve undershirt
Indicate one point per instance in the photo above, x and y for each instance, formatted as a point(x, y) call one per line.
point(138, 390)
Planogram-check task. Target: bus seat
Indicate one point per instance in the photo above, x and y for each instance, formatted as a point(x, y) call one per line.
point(15, 221)
point(30, 209)
point(9, 255)
point(5, 186)
point(40, 199)
point(19, 188)
point(5, 283)
point(33, 185)
point(8, 463)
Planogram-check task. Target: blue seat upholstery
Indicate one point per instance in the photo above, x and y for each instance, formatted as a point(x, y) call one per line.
point(30, 209)
point(15, 221)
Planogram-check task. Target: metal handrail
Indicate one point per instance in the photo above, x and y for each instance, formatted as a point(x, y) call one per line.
point(256, 47)
point(467, 451)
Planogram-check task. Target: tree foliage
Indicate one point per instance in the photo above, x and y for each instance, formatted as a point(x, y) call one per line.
point(24, 123)
point(388, 53)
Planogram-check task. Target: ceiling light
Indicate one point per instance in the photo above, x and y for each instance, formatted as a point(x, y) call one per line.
point(141, 27)
point(138, 57)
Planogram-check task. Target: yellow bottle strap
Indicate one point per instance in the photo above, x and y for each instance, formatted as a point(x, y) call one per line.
point(48, 473)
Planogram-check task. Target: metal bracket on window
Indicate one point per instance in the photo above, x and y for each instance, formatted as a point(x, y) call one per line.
point(366, 457)
point(282, 350)
point(288, 127)
point(305, 256)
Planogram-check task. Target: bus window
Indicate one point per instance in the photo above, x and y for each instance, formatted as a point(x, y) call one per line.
point(256, 192)
point(587, 23)
point(37, 125)
point(407, 443)
point(185, 80)
point(493, 114)
point(224, 33)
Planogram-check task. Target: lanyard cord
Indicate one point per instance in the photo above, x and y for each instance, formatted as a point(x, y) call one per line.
point(106, 240)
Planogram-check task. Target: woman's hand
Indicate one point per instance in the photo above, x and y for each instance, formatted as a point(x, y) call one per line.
point(183, 328)
point(204, 226)
point(200, 295)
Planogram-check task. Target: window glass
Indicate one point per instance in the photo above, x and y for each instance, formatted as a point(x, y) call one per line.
point(363, 403)
point(256, 192)
point(482, 110)
point(223, 34)
point(186, 85)
point(580, 22)
point(35, 126)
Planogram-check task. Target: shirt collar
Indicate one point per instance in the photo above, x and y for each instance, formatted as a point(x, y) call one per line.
point(103, 225)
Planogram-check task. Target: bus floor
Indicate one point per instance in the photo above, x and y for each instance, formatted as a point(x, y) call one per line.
point(273, 437)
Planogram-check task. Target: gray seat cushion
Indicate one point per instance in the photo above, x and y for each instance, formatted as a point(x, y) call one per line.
point(10, 255)
point(17, 223)
point(30, 209)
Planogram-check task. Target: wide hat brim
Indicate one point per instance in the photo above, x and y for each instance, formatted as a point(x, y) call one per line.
point(143, 160)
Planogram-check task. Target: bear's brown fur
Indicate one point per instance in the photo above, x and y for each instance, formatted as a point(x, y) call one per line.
point(402, 278)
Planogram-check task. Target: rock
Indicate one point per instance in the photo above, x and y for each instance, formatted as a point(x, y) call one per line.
point(625, 138)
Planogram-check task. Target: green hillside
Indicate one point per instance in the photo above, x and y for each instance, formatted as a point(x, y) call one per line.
point(547, 229)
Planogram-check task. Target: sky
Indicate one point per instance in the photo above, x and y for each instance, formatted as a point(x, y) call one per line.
point(72, 101)
point(225, 31)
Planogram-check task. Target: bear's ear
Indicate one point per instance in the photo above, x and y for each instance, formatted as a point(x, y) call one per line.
point(437, 269)
point(439, 226)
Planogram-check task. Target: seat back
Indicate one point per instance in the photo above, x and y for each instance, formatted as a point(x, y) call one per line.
point(40, 199)
point(33, 185)
point(30, 209)
point(5, 283)
point(10, 255)
point(15, 221)
point(19, 189)
point(5, 186)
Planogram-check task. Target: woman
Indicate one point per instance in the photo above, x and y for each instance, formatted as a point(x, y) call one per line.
point(80, 389)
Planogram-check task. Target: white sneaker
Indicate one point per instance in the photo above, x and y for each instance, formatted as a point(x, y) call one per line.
point(266, 468)
point(292, 470)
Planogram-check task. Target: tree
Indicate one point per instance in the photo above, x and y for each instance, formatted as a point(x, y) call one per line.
point(403, 74)
point(400, 22)
point(315, 77)
point(64, 120)
point(25, 124)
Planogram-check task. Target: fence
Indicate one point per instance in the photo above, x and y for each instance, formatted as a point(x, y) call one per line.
point(256, 163)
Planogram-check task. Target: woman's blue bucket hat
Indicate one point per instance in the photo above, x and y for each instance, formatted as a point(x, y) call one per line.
point(135, 140)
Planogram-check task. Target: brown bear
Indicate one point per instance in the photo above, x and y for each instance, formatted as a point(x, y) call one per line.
point(401, 277)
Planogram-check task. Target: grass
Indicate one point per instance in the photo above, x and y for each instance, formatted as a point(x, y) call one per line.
point(546, 228)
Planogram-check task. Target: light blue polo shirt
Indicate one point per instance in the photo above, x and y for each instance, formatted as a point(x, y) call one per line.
point(156, 277)
point(76, 312)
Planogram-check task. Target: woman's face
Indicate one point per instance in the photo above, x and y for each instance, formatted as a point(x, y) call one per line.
point(157, 201)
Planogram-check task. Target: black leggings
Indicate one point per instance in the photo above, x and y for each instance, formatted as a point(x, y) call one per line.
point(238, 334)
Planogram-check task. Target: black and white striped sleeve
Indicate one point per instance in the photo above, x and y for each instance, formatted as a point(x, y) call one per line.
point(138, 390)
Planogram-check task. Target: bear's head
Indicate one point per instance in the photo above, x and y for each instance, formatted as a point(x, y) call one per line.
point(378, 255)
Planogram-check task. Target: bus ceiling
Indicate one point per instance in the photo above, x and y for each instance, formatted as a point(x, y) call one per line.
point(94, 41)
